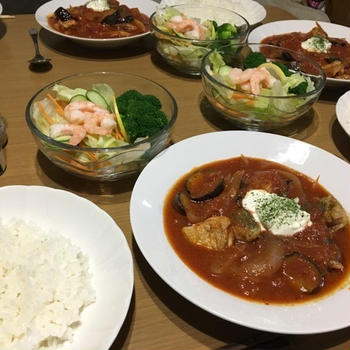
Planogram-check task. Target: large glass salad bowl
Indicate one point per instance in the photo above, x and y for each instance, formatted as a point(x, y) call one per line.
point(185, 33)
point(101, 125)
point(258, 93)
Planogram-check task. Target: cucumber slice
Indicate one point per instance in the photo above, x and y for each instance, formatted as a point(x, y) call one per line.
point(63, 138)
point(96, 98)
point(78, 98)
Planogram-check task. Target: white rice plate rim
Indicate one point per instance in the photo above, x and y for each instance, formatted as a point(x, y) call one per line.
point(99, 237)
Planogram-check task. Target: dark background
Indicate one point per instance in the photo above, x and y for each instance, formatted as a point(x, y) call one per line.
point(17, 7)
point(338, 11)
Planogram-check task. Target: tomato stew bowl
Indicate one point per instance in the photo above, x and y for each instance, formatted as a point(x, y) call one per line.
point(112, 163)
point(185, 54)
point(271, 108)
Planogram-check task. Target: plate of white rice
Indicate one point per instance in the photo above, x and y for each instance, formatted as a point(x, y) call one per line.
point(66, 271)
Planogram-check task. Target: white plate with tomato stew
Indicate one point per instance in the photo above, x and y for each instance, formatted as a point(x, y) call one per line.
point(338, 35)
point(81, 29)
point(275, 295)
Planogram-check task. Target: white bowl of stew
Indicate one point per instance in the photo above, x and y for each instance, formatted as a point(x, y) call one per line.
point(338, 35)
point(264, 295)
point(98, 33)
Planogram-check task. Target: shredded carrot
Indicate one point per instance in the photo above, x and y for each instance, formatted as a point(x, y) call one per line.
point(238, 96)
point(44, 114)
point(91, 156)
point(72, 162)
point(58, 106)
point(118, 135)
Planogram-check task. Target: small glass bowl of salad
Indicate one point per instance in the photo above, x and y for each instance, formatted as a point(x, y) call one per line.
point(102, 125)
point(255, 92)
point(185, 33)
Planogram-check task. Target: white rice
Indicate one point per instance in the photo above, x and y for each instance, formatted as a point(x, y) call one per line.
point(44, 286)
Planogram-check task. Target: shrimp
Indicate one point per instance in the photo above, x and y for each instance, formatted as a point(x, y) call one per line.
point(238, 76)
point(78, 132)
point(188, 26)
point(251, 79)
point(260, 78)
point(100, 124)
point(94, 119)
point(76, 112)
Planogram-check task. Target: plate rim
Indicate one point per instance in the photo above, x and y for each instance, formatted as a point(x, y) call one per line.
point(341, 115)
point(252, 5)
point(128, 274)
point(198, 281)
point(297, 23)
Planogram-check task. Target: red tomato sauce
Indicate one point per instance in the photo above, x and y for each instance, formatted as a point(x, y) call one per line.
point(227, 269)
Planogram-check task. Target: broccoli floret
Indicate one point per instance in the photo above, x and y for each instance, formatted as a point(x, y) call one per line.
point(141, 115)
point(124, 99)
point(254, 59)
point(226, 31)
point(151, 99)
point(283, 67)
point(300, 89)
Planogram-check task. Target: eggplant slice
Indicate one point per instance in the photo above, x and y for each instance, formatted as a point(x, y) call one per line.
point(302, 273)
point(116, 18)
point(205, 184)
point(177, 203)
point(62, 14)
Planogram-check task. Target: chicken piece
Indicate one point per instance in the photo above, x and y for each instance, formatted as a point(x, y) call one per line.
point(334, 214)
point(335, 265)
point(333, 69)
point(317, 31)
point(69, 23)
point(212, 233)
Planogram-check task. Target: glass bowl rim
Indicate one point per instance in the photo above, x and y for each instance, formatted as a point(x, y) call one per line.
point(65, 146)
point(313, 92)
point(174, 37)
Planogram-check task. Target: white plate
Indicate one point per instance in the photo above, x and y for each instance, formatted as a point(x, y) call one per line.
point(98, 236)
point(342, 109)
point(145, 6)
point(0, 8)
point(146, 207)
point(281, 27)
point(251, 10)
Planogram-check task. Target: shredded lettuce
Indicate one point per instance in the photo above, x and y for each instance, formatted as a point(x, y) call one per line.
point(103, 141)
point(211, 30)
point(106, 92)
point(40, 122)
point(163, 16)
point(216, 61)
point(64, 93)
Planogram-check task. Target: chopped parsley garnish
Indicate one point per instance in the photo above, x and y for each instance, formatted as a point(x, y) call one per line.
point(276, 211)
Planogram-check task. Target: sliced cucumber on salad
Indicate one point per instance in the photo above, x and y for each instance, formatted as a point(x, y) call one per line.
point(78, 98)
point(96, 98)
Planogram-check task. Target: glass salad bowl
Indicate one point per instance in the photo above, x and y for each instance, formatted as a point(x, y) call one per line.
point(101, 125)
point(185, 33)
point(259, 93)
